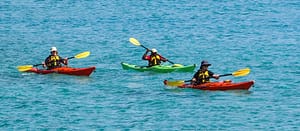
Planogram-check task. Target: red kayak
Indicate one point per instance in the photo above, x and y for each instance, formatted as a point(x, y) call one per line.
point(65, 70)
point(224, 85)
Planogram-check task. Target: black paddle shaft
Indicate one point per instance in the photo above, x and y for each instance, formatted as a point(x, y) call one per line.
point(225, 75)
point(37, 65)
point(71, 57)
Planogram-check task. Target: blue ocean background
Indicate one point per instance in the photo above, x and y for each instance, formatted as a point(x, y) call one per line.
point(263, 35)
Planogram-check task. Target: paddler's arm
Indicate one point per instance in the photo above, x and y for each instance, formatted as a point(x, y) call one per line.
point(164, 59)
point(45, 62)
point(64, 61)
point(145, 55)
point(216, 76)
point(194, 79)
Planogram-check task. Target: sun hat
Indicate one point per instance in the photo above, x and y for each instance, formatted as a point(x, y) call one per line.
point(205, 63)
point(53, 49)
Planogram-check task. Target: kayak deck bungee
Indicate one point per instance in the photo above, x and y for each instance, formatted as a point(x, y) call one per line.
point(223, 85)
point(159, 68)
point(65, 70)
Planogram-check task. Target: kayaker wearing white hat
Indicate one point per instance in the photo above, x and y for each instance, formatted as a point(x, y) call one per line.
point(54, 60)
point(154, 58)
point(203, 74)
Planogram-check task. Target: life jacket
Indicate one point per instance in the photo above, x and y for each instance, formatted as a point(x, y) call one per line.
point(154, 60)
point(203, 77)
point(53, 62)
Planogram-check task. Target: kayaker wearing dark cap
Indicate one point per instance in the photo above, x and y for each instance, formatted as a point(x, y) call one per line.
point(153, 58)
point(203, 74)
point(54, 60)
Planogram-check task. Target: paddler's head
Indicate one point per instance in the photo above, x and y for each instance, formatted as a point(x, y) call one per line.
point(154, 51)
point(204, 65)
point(53, 51)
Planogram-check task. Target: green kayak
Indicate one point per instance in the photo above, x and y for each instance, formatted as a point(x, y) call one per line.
point(160, 68)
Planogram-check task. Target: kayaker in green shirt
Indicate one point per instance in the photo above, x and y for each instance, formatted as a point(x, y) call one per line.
point(154, 58)
point(203, 74)
point(54, 60)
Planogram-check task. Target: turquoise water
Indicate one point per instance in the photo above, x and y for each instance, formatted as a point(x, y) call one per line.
point(231, 35)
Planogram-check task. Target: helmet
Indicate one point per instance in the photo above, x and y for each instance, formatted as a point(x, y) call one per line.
point(154, 50)
point(53, 49)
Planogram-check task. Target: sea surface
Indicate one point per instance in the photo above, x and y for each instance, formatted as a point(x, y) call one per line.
point(263, 35)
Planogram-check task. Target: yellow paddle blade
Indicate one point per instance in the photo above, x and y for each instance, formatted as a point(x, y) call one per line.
point(82, 55)
point(241, 72)
point(134, 41)
point(24, 68)
point(177, 65)
point(174, 83)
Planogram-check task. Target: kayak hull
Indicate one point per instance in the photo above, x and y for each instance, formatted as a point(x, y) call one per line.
point(65, 70)
point(224, 85)
point(159, 68)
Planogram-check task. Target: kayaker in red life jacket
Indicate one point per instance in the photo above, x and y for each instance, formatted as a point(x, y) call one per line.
point(54, 60)
point(153, 58)
point(203, 74)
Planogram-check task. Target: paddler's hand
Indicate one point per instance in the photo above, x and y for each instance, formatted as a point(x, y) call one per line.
point(44, 65)
point(193, 82)
point(66, 61)
point(216, 76)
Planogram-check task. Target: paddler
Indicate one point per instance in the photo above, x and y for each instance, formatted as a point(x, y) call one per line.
point(203, 74)
point(154, 58)
point(54, 60)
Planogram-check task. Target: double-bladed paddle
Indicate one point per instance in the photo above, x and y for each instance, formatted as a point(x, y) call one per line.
point(137, 43)
point(28, 67)
point(241, 72)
